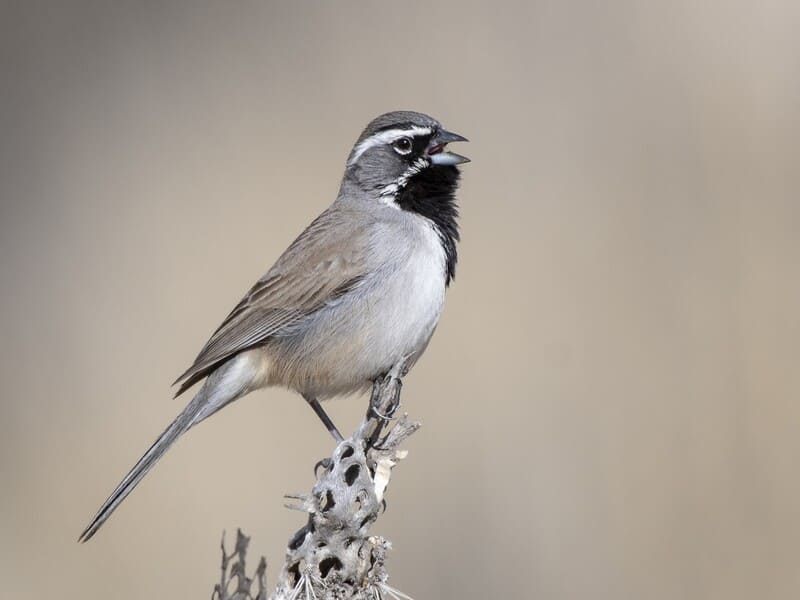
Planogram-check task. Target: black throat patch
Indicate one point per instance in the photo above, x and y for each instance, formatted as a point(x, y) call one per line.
point(431, 193)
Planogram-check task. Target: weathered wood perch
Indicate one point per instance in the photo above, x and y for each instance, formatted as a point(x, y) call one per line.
point(332, 555)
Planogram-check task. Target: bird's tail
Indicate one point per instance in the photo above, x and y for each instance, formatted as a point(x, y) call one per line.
point(223, 386)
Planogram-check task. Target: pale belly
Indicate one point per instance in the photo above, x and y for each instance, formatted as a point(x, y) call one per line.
point(361, 336)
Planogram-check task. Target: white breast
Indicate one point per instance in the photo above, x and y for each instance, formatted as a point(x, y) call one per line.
point(414, 304)
point(390, 317)
point(395, 316)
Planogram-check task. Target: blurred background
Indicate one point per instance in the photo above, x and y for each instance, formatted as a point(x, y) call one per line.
point(610, 404)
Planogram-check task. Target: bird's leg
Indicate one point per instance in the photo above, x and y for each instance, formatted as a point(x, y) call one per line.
point(323, 416)
point(377, 402)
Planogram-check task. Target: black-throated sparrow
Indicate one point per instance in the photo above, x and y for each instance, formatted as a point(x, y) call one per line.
point(358, 292)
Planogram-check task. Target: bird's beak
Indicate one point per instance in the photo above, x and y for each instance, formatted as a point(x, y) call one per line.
point(436, 149)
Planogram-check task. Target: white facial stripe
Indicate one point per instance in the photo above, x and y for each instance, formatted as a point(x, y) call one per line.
point(390, 191)
point(387, 137)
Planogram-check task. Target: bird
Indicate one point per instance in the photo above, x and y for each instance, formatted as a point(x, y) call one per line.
point(360, 290)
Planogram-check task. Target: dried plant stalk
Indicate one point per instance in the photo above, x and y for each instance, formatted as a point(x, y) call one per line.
point(332, 555)
point(236, 571)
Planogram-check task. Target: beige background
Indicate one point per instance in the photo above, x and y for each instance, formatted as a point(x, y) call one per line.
point(610, 404)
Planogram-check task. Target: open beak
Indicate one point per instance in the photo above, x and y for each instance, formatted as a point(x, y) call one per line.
point(436, 149)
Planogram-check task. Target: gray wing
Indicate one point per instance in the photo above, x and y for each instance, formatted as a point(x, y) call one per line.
point(326, 261)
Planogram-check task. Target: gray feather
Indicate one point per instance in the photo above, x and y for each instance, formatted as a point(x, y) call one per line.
point(324, 262)
point(223, 387)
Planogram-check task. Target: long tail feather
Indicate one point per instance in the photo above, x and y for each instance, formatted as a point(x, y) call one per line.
point(179, 426)
point(226, 384)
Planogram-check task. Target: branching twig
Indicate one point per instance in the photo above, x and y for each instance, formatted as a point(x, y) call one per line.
point(237, 571)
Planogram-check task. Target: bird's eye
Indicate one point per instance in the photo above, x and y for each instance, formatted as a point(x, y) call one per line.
point(402, 145)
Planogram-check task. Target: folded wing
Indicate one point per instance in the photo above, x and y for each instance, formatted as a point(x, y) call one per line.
point(325, 262)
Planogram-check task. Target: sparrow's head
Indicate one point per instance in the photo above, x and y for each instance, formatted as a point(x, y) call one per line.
point(400, 148)
point(401, 160)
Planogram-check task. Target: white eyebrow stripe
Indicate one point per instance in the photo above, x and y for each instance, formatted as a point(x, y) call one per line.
point(386, 137)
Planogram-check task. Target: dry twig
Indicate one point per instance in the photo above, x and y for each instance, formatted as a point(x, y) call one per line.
point(333, 556)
